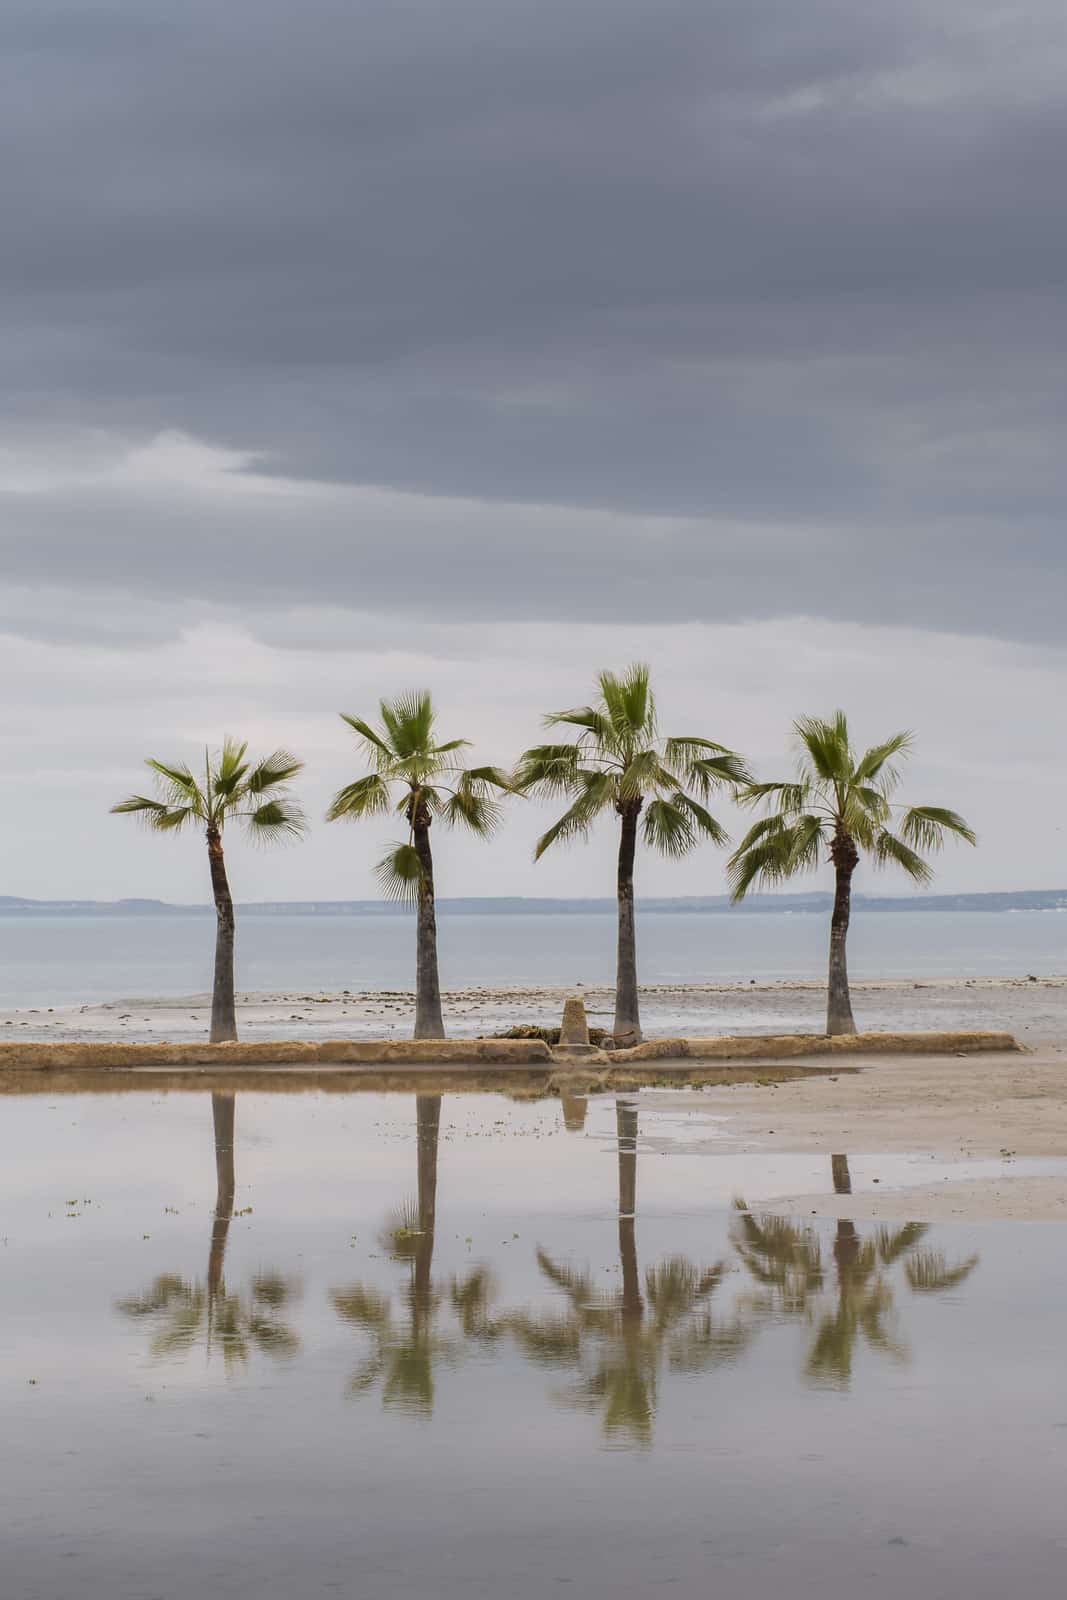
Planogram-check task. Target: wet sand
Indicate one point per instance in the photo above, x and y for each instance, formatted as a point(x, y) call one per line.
point(957, 1109)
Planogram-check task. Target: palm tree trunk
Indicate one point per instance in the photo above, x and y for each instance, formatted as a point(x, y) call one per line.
point(222, 1113)
point(223, 1015)
point(627, 1026)
point(428, 1121)
point(838, 1000)
point(626, 1128)
point(429, 1023)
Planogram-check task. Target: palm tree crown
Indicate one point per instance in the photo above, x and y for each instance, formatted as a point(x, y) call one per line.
point(841, 803)
point(231, 786)
point(434, 784)
point(619, 760)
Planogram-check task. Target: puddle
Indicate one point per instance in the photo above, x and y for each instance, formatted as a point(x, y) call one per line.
point(397, 1346)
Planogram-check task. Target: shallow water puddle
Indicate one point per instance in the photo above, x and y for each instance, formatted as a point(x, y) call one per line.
point(382, 1346)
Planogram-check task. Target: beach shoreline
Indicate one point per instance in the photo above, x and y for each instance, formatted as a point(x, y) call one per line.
point(1033, 1009)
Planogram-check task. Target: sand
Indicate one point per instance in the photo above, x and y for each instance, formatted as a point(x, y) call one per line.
point(1032, 1010)
point(957, 1109)
point(999, 1109)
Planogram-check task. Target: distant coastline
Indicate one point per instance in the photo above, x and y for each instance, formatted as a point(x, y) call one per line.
point(815, 902)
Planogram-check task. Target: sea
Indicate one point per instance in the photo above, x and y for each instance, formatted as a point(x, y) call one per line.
point(53, 960)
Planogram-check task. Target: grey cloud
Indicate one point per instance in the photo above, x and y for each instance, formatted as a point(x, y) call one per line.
point(789, 276)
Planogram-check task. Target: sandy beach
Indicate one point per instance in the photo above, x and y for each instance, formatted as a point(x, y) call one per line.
point(1033, 1009)
point(994, 1128)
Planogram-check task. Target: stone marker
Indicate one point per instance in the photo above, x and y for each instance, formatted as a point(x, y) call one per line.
point(574, 1029)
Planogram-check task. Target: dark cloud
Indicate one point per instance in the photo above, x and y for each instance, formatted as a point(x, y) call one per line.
point(786, 280)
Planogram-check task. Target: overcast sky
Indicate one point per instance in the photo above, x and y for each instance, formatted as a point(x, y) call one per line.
point(352, 345)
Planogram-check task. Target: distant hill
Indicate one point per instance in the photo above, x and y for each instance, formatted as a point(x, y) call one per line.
point(697, 905)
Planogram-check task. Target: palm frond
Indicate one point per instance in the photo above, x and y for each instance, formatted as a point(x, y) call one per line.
point(450, 745)
point(791, 797)
point(873, 761)
point(231, 768)
point(377, 748)
point(140, 802)
point(474, 809)
point(891, 850)
point(274, 819)
point(702, 819)
point(597, 793)
point(776, 854)
point(640, 774)
point(547, 769)
point(826, 743)
point(409, 723)
point(587, 717)
point(279, 767)
point(173, 818)
point(925, 827)
point(180, 777)
point(366, 797)
point(399, 874)
point(668, 829)
point(629, 702)
point(495, 776)
point(708, 773)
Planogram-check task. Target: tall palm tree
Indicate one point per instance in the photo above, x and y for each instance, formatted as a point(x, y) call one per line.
point(840, 803)
point(232, 788)
point(619, 763)
point(433, 783)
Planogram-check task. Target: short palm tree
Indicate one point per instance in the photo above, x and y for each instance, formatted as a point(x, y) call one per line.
point(840, 803)
point(433, 783)
point(231, 787)
point(618, 763)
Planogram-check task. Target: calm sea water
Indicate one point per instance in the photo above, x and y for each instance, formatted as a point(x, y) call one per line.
point(57, 960)
point(258, 1347)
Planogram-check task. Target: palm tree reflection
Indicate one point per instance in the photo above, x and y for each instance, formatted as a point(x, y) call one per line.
point(617, 1341)
point(182, 1311)
point(406, 1352)
point(785, 1260)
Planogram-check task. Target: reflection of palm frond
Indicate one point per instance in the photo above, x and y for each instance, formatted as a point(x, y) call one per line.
point(928, 1272)
point(892, 1243)
point(470, 1298)
point(707, 1343)
point(400, 1236)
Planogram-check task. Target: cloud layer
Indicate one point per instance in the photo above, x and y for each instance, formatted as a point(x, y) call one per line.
point(333, 331)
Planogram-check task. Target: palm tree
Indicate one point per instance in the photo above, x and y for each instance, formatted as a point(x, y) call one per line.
point(618, 762)
point(405, 751)
point(841, 803)
point(232, 787)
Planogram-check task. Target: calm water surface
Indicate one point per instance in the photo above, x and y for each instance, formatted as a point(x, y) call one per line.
point(62, 960)
point(306, 1345)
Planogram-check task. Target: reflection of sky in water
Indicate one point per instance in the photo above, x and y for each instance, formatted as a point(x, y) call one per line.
point(522, 1394)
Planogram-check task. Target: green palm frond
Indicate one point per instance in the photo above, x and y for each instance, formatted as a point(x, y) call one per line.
point(702, 819)
point(826, 743)
point(180, 777)
point(597, 793)
point(399, 874)
point(629, 702)
point(668, 829)
point(587, 717)
point(279, 767)
point(409, 723)
point(366, 797)
point(641, 773)
point(377, 748)
point(230, 770)
point(548, 769)
point(873, 763)
point(473, 809)
point(273, 820)
point(889, 849)
point(172, 818)
point(791, 797)
point(925, 827)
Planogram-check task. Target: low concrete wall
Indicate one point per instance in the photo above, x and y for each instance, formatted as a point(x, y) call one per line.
point(93, 1056)
point(773, 1047)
